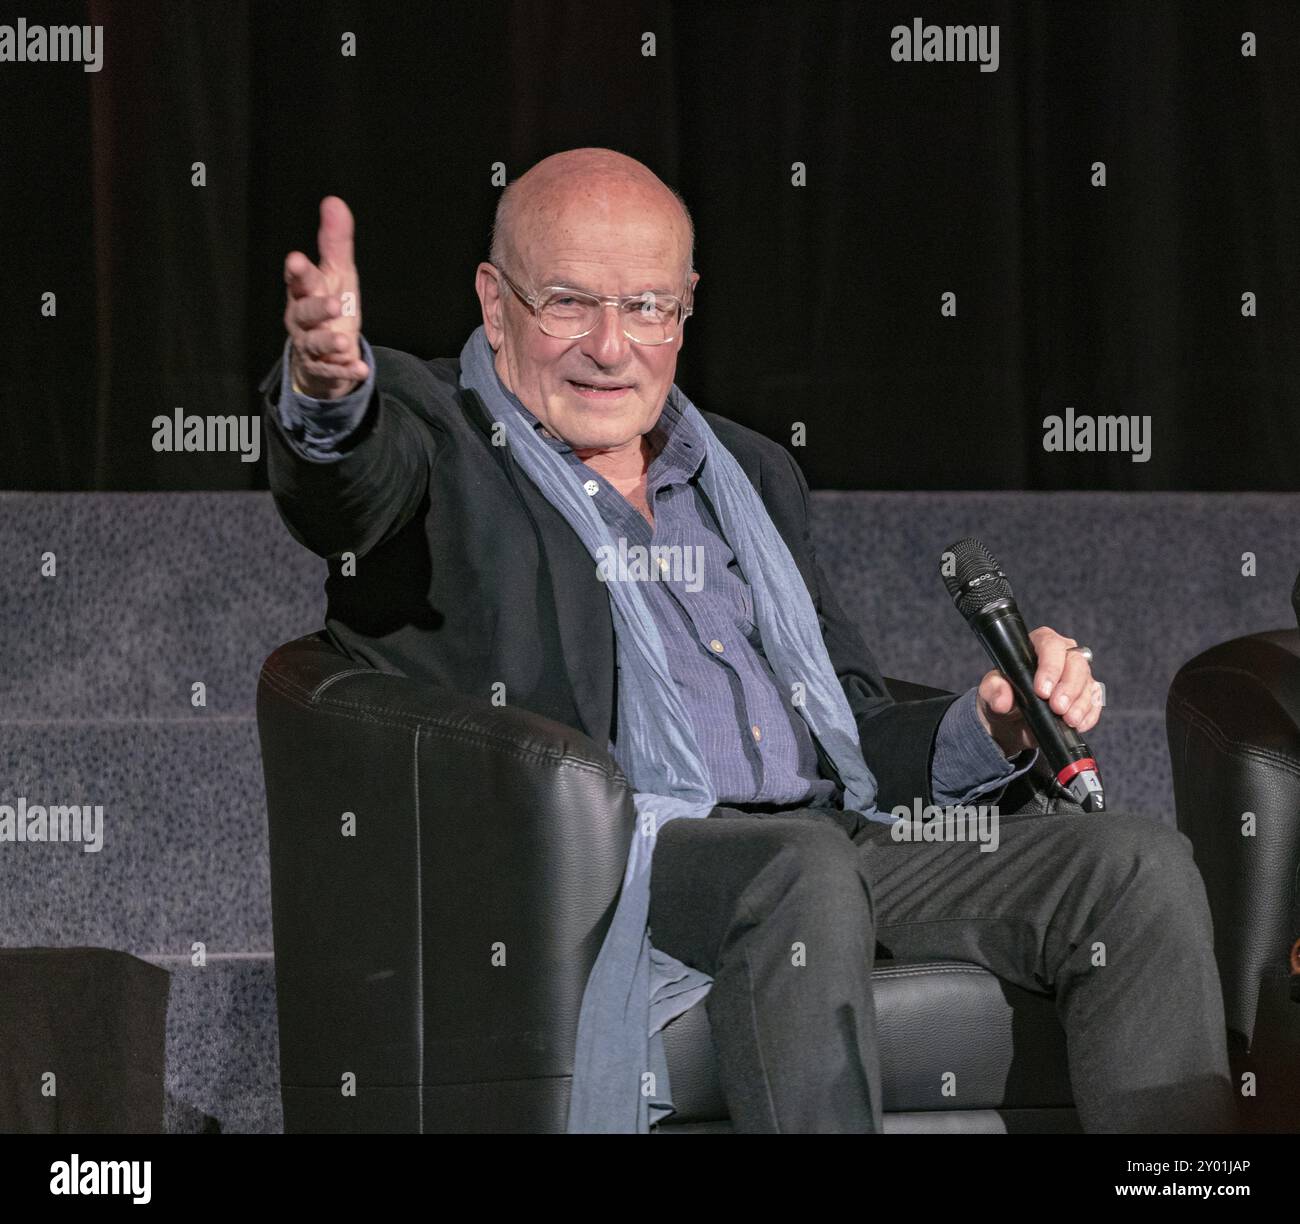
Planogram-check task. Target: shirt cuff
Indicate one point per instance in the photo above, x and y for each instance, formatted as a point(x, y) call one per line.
point(320, 427)
point(968, 764)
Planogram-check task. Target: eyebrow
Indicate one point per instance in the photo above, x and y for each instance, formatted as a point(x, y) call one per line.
point(563, 284)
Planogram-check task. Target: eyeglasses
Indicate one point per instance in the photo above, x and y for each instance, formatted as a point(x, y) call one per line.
point(570, 314)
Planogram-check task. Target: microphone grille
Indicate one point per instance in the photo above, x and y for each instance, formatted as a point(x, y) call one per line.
point(973, 576)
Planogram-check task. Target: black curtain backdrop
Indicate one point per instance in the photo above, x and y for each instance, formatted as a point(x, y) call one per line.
point(817, 304)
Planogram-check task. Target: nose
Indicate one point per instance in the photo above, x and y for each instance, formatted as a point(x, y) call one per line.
point(606, 344)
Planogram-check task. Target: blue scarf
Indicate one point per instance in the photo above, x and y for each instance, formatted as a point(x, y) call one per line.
point(620, 1075)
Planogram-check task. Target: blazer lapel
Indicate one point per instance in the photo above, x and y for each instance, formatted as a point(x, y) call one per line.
point(582, 611)
point(583, 617)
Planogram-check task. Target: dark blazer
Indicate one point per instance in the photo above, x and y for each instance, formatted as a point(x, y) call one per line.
point(467, 577)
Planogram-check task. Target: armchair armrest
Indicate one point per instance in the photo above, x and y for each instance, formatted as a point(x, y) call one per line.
point(443, 873)
point(905, 690)
point(1233, 721)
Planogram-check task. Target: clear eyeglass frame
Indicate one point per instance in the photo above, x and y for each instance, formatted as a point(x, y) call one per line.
point(533, 302)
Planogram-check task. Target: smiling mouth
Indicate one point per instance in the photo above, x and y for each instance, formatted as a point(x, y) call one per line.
point(599, 390)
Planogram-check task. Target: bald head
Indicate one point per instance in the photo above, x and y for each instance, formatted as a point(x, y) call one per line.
point(547, 205)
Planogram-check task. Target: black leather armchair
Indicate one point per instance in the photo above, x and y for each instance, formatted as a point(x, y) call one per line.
point(1233, 719)
point(443, 872)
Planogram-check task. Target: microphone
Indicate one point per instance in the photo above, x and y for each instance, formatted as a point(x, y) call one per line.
point(983, 596)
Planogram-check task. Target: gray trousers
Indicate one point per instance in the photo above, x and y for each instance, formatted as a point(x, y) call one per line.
point(738, 894)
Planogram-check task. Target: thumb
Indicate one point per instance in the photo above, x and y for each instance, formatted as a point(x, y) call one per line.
point(997, 694)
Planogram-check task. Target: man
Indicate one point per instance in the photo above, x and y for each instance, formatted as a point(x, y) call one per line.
point(448, 563)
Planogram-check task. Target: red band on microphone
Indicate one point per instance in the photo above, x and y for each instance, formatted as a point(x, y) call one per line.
point(1075, 767)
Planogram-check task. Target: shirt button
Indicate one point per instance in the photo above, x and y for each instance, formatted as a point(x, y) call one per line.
point(716, 645)
point(663, 564)
point(758, 735)
point(592, 487)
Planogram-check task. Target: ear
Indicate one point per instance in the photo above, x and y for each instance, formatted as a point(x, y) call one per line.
point(490, 289)
point(691, 282)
